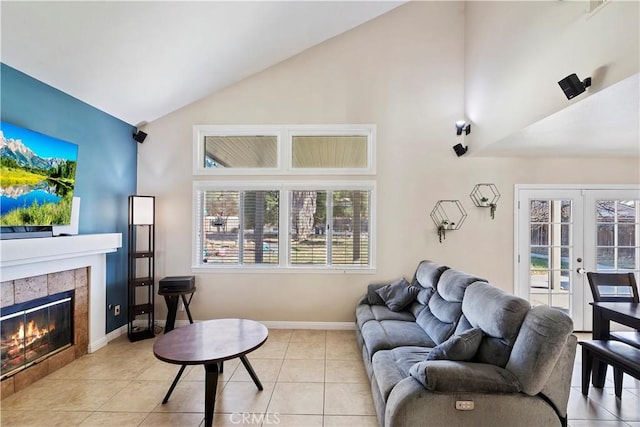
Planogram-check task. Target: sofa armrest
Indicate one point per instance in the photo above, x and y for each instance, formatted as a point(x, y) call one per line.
point(453, 376)
point(409, 404)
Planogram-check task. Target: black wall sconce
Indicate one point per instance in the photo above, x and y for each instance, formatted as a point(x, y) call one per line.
point(572, 86)
point(139, 136)
point(461, 126)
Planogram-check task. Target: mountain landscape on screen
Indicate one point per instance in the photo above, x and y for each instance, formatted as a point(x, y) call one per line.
point(37, 177)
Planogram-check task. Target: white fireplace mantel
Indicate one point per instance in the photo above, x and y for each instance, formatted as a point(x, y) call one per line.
point(21, 258)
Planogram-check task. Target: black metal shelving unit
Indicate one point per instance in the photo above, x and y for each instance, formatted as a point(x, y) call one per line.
point(141, 268)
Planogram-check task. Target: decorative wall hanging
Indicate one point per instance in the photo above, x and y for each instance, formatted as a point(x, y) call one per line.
point(448, 215)
point(486, 196)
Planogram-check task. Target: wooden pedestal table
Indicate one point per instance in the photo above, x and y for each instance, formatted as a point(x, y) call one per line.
point(210, 343)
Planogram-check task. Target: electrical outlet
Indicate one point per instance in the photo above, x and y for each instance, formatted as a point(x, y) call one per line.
point(116, 310)
point(464, 405)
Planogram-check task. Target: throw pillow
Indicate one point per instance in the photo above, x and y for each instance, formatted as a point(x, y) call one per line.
point(458, 347)
point(398, 295)
point(372, 294)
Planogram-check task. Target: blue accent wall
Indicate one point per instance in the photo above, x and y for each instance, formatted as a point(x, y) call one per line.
point(107, 163)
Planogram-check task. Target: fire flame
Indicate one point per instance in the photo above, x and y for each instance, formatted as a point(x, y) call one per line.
point(21, 339)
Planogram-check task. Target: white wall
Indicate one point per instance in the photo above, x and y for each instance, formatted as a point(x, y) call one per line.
point(404, 72)
point(516, 52)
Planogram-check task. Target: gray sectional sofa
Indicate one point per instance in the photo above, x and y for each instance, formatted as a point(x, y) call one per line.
point(454, 350)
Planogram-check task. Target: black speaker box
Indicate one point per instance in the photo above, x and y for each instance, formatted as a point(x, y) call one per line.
point(139, 136)
point(571, 86)
point(176, 284)
point(460, 149)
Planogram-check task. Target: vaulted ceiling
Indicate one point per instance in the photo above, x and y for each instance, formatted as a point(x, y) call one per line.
point(141, 60)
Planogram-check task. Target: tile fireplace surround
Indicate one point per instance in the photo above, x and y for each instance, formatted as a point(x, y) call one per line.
point(32, 268)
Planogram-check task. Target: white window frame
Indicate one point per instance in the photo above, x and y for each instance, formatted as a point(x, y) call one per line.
point(284, 134)
point(202, 131)
point(332, 130)
point(283, 229)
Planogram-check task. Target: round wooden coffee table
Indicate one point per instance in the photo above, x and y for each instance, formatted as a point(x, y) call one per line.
point(210, 343)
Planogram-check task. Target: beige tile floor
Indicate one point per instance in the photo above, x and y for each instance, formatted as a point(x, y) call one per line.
point(310, 378)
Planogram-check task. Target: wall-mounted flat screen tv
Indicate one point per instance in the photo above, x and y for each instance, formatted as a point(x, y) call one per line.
point(37, 177)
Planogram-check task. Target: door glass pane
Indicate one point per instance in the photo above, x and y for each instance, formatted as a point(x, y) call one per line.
point(561, 301)
point(627, 234)
point(627, 211)
point(565, 211)
point(565, 234)
point(539, 234)
point(539, 287)
point(605, 211)
point(605, 258)
point(617, 235)
point(551, 248)
point(539, 211)
point(539, 258)
point(627, 258)
point(605, 234)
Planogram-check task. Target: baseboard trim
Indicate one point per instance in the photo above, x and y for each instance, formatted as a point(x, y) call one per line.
point(97, 345)
point(122, 330)
point(309, 325)
point(281, 324)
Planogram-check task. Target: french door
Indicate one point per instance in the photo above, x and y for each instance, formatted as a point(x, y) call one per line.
point(563, 232)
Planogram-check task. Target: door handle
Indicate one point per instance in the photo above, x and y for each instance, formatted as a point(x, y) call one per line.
point(580, 270)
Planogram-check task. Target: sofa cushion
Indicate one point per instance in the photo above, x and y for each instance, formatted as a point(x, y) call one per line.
point(499, 315)
point(440, 317)
point(453, 284)
point(388, 334)
point(535, 353)
point(415, 308)
point(365, 312)
point(427, 275)
point(398, 294)
point(461, 377)
point(458, 347)
point(392, 366)
point(382, 312)
point(463, 325)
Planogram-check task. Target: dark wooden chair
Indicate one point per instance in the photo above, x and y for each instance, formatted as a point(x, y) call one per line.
point(616, 287)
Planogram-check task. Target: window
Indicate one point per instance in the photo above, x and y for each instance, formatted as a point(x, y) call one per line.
point(239, 227)
point(284, 150)
point(329, 228)
point(240, 151)
point(616, 234)
point(325, 225)
point(260, 222)
point(329, 152)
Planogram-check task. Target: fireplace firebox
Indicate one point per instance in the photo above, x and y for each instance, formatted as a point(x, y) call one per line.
point(34, 330)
